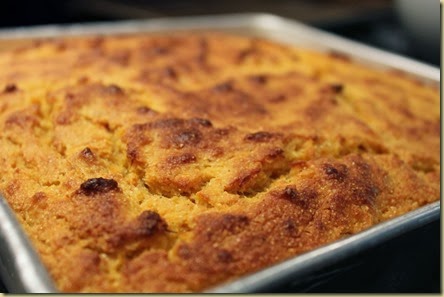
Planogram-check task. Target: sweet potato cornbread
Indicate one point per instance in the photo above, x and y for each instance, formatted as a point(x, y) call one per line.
point(172, 163)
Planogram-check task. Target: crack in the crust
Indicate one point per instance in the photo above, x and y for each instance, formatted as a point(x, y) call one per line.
point(118, 150)
point(417, 165)
point(258, 187)
point(424, 166)
point(45, 127)
point(117, 143)
point(283, 172)
point(276, 173)
point(127, 168)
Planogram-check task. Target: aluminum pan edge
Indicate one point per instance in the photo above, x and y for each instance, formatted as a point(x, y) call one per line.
point(332, 253)
point(20, 267)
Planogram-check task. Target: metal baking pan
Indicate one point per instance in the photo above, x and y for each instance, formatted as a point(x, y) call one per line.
point(20, 268)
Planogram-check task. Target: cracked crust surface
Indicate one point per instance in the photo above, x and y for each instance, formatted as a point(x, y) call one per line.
point(154, 163)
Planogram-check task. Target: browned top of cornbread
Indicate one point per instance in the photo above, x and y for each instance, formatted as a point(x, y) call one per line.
point(169, 163)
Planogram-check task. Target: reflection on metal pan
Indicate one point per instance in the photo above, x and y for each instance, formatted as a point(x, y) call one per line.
point(20, 267)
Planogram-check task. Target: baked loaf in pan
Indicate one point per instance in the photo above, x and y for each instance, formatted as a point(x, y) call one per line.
point(172, 163)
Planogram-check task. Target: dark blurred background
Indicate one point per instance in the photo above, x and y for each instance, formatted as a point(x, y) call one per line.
point(407, 27)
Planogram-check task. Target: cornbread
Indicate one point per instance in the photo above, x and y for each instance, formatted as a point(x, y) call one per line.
point(175, 162)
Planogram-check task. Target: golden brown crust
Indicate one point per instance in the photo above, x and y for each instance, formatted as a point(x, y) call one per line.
point(157, 163)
